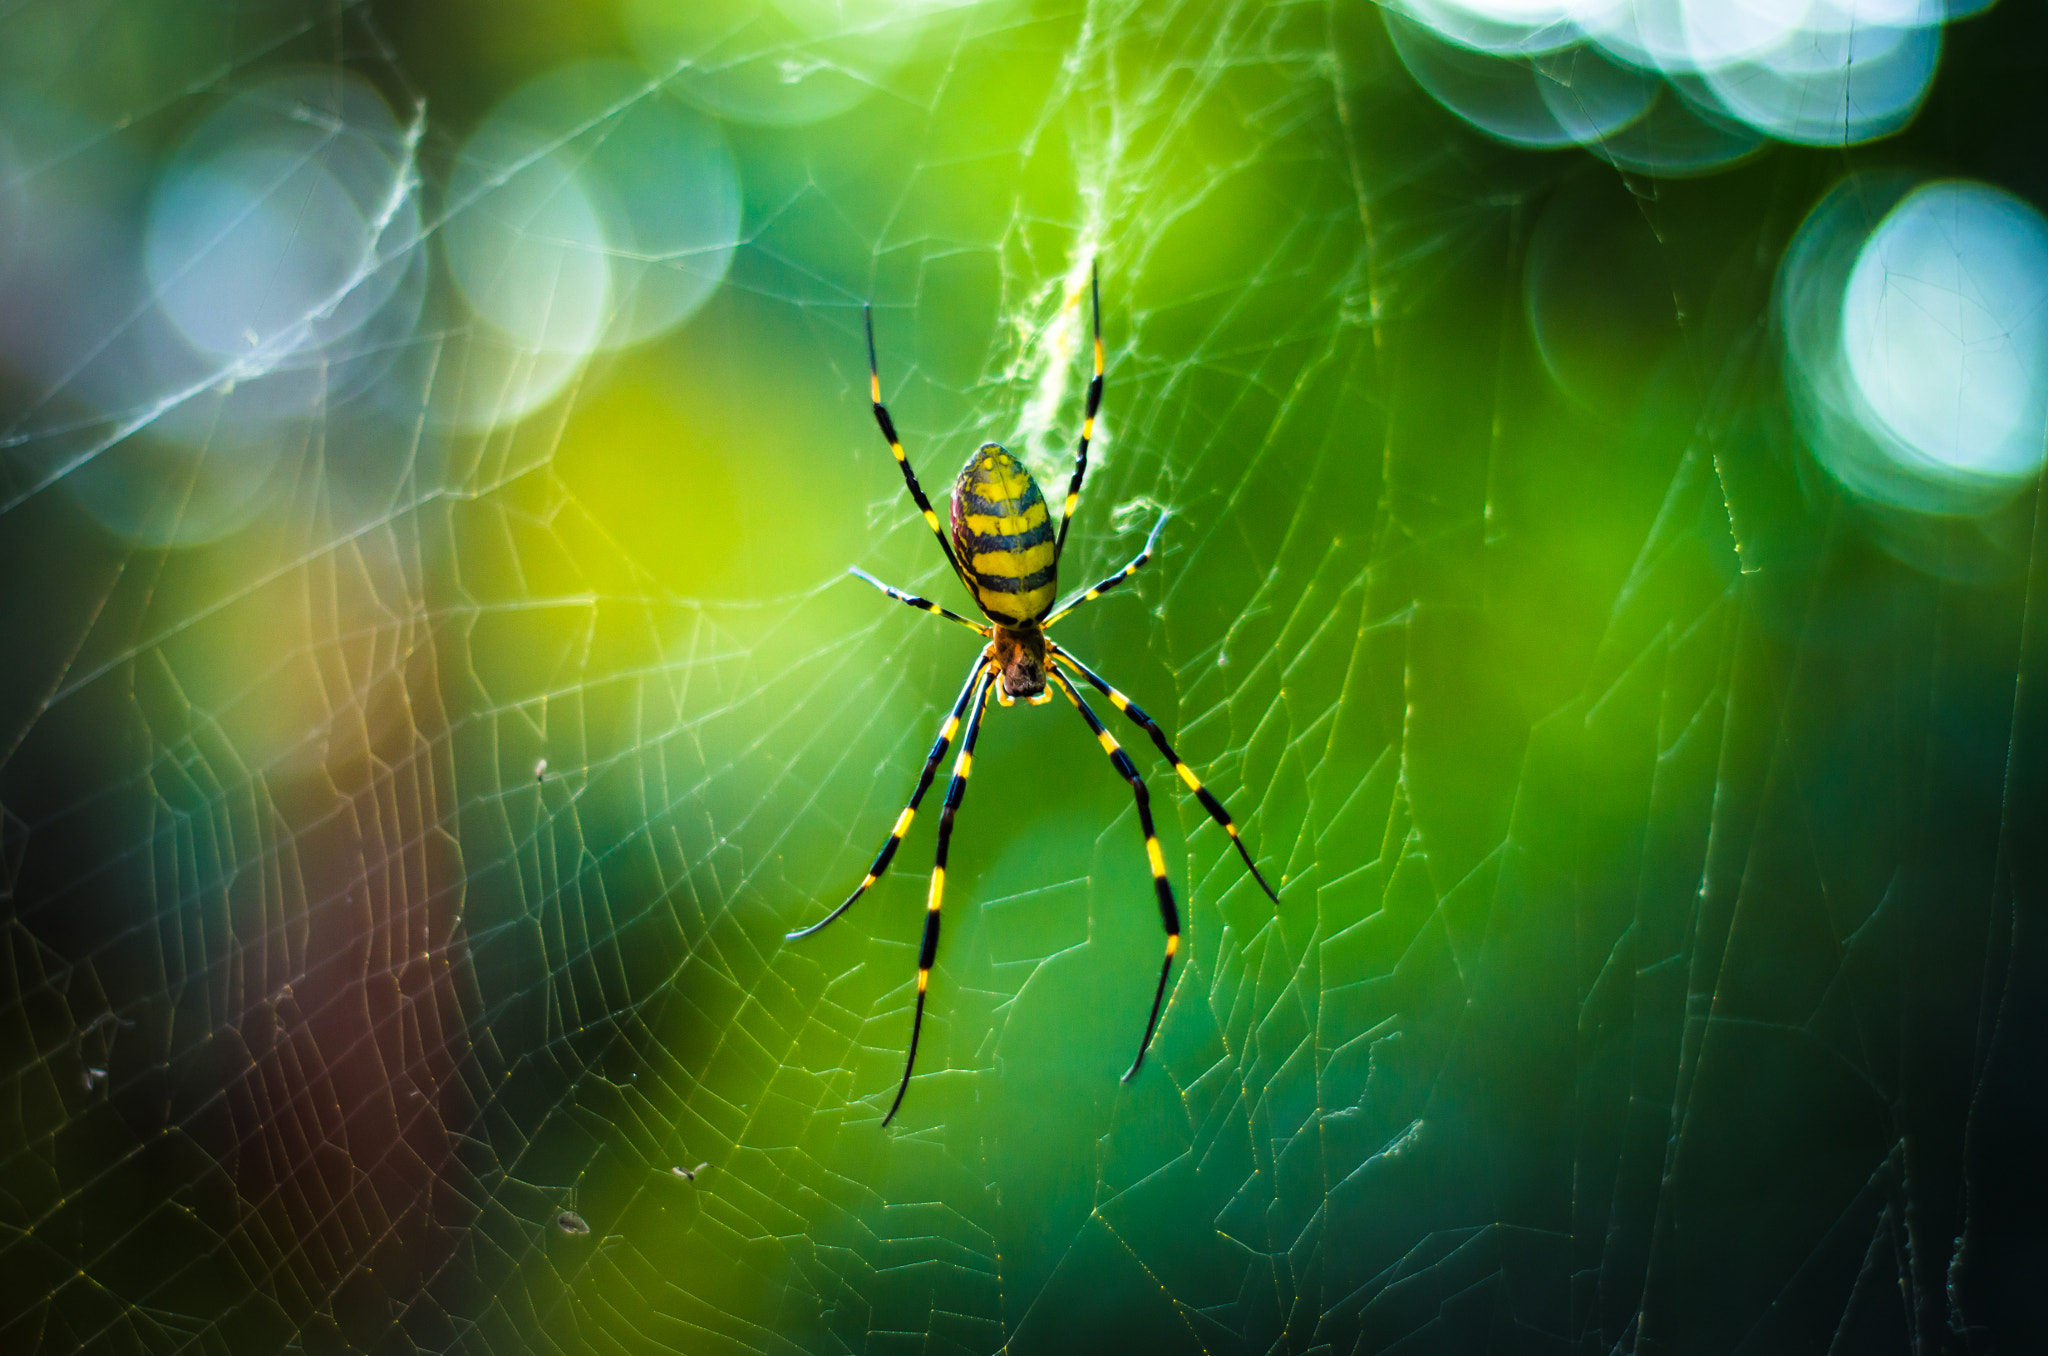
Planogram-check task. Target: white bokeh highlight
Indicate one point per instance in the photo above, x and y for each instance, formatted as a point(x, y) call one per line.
point(524, 243)
point(243, 249)
point(588, 211)
point(1722, 76)
point(1945, 328)
point(287, 223)
point(275, 273)
point(1915, 353)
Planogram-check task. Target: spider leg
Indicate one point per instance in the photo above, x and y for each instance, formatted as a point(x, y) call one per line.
point(1087, 420)
point(924, 781)
point(1151, 540)
point(1168, 914)
point(921, 604)
point(888, 426)
point(956, 791)
point(1187, 774)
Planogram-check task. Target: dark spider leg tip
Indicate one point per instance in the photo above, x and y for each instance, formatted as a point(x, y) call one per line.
point(805, 932)
point(909, 1063)
point(1253, 867)
point(1152, 1023)
point(820, 924)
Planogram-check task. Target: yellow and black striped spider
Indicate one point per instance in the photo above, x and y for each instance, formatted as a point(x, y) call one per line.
point(1004, 551)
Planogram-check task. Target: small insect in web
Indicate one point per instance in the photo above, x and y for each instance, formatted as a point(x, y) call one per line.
point(1003, 549)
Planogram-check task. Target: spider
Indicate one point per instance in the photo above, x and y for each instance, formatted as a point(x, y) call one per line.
point(1004, 551)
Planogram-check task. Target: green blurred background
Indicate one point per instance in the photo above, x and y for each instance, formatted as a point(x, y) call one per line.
point(431, 439)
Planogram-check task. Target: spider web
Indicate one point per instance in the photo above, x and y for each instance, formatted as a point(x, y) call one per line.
point(402, 805)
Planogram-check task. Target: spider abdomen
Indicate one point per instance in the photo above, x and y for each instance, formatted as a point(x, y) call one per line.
point(1003, 536)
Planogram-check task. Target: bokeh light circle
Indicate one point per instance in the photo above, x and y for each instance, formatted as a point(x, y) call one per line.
point(659, 178)
point(1592, 98)
point(181, 353)
point(475, 379)
point(588, 211)
point(1915, 353)
point(1509, 27)
point(1510, 97)
point(1945, 328)
point(1833, 86)
point(1683, 37)
point(170, 485)
point(287, 220)
point(1678, 139)
point(1687, 74)
point(1598, 294)
point(245, 250)
point(524, 241)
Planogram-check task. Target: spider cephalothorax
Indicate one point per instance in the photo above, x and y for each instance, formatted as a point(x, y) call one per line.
point(1020, 658)
point(1004, 550)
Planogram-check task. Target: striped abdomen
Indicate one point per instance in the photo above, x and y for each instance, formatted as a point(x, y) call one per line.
point(1004, 536)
